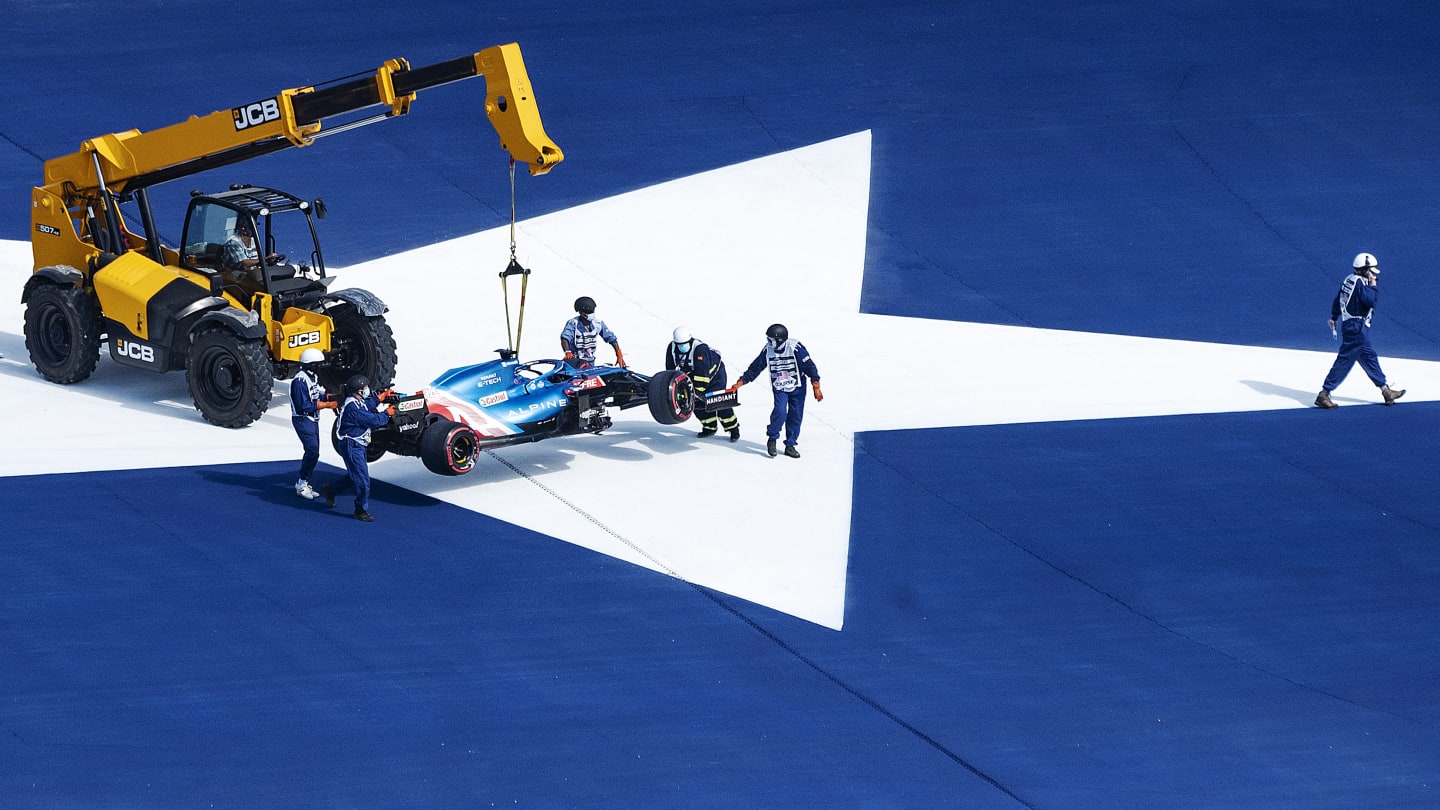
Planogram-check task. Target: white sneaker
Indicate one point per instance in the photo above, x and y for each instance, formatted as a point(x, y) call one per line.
point(304, 490)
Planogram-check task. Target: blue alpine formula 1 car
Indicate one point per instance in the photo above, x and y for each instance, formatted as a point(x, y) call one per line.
point(502, 402)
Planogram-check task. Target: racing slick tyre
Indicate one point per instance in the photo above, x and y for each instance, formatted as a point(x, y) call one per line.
point(449, 448)
point(372, 452)
point(359, 345)
point(229, 377)
point(62, 332)
point(671, 396)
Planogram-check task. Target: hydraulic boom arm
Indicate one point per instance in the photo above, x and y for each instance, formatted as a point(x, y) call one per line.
point(133, 160)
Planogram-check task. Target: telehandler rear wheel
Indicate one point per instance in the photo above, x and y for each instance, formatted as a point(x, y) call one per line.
point(229, 377)
point(62, 332)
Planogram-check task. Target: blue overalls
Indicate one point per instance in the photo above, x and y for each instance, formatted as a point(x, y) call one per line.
point(1353, 306)
point(357, 417)
point(789, 365)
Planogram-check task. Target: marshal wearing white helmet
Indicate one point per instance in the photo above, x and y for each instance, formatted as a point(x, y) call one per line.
point(306, 400)
point(1352, 308)
point(707, 371)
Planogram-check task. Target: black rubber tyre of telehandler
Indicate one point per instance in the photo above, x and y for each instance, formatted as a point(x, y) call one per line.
point(62, 332)
point(449, 448)
point(365, 345)
point(230, 378)
point(671, 397)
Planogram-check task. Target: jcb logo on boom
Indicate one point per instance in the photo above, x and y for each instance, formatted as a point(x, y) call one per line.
point(135, 351)
point(305, 339)
point(253, 115)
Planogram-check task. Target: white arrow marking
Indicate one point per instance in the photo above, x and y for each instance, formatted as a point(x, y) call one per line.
point(727, 253)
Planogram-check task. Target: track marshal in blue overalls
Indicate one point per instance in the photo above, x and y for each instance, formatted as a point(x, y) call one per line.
point(307, 399)
point(1352, 308)
point(359, 414)
point(789, 364)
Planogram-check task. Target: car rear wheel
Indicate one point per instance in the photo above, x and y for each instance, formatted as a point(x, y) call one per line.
point(449, 448)
point(373, 453)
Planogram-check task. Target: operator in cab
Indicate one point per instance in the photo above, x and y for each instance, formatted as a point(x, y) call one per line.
point(242, 255)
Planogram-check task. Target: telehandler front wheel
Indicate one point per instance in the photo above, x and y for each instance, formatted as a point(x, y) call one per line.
point(229, 377)
point(62, 332)
point(359, 345)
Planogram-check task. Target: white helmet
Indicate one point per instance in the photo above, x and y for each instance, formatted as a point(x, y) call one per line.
point(1366, 260)
point(681, 335)
point(310, 357)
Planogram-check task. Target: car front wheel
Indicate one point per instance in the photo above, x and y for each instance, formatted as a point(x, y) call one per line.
point(671, 396)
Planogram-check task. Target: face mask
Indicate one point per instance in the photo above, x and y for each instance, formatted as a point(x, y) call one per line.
point(682, 348)
point(365, 392)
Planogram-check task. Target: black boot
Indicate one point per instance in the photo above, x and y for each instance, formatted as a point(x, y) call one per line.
point(770, 448)
point(734, 434)
point(361, 514)
point(706, 432)
point(791, 451)
point(329, 494)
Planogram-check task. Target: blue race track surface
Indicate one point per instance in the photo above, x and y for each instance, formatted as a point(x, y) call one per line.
point(1207, 611)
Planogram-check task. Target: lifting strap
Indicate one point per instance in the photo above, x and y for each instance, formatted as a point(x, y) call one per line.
point(513, 269)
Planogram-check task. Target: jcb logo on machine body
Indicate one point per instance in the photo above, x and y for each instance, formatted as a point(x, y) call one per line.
point(305, 339)
point(135, 351)
point(253, 115)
